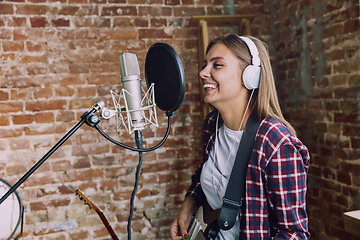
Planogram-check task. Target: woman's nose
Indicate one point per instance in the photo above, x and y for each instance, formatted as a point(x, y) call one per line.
point(204, 73)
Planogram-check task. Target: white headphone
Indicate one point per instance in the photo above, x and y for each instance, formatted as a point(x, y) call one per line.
point(252, 73)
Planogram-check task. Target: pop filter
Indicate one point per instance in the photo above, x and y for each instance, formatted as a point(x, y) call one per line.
point(163, 68)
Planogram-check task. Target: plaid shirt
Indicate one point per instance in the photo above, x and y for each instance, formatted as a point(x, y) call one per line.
point(274, 202)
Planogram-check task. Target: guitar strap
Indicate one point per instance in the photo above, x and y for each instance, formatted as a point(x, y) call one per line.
point(236, 186)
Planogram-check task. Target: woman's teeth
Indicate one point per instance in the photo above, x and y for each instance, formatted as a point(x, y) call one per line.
point(209, 86)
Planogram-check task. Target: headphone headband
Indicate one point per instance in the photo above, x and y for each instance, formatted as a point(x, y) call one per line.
point(252, 49)
point(252, 73)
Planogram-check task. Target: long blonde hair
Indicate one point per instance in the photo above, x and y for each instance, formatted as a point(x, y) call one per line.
point(265, 99)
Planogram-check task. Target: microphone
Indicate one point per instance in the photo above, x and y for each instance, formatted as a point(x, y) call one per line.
point(131, 80)
point(134, 108)
point(165, 80)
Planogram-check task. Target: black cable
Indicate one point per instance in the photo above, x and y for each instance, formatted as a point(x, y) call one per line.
point(136, 149)
point(138, 140)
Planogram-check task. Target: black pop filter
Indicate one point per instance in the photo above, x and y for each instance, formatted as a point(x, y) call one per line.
point(163, 68)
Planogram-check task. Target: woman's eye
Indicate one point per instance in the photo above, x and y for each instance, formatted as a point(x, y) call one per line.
point(217, 65)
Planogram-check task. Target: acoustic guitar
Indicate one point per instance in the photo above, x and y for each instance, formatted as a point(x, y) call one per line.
point(102, 216)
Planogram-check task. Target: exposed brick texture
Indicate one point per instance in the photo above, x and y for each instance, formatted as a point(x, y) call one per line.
point(59, 57)
point(316, 61)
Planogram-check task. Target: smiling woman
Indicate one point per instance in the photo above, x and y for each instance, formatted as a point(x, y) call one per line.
point(223, 73)
point(239, 85)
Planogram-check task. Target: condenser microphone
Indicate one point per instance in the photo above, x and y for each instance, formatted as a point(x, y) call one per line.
point(131, 80)
point(165, 80)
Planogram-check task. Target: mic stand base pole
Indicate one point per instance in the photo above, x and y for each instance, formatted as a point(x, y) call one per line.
point(139, 142)
point(87, 117)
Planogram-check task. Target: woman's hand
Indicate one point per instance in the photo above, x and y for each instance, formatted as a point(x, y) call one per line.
point(178, 228)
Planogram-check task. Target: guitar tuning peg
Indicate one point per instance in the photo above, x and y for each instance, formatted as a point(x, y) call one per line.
point(81, 198)
point(91, 207)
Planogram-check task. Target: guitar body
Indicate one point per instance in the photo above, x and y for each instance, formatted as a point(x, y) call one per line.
point(204, 223)
point(197, 226)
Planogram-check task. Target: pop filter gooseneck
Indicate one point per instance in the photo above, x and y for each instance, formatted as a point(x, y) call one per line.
point(163, 68)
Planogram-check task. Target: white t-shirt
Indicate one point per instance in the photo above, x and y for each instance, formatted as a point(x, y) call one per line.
point(216, 173)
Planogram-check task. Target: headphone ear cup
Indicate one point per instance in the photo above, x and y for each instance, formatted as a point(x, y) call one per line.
point(251, 77)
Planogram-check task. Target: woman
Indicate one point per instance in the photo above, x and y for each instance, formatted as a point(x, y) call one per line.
point(274, 200)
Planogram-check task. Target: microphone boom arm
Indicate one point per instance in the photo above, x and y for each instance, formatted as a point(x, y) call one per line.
point(91, 119)
point(88, 117)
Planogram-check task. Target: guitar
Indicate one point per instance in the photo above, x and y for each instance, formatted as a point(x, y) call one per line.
point(103, 218)
point(204, 223)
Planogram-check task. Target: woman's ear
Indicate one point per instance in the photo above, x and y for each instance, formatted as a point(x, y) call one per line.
point(242, 82)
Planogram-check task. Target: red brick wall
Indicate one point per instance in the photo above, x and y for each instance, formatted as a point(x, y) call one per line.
point(316, 47)
point(58, 58)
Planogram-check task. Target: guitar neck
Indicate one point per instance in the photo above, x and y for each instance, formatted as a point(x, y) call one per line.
point(100, 213)
point(107, 225)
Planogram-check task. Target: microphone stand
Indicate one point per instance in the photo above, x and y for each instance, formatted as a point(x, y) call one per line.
point(138, 140)
point(87, 117)
point(91, 120)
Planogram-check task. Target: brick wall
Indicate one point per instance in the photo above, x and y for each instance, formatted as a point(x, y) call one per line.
point(317, 65)
point(59, 57)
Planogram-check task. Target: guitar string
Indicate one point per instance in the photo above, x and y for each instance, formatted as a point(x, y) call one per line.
point(196, 228)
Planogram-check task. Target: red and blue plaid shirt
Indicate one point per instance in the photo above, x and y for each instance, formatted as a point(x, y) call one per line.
point(274, 204)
